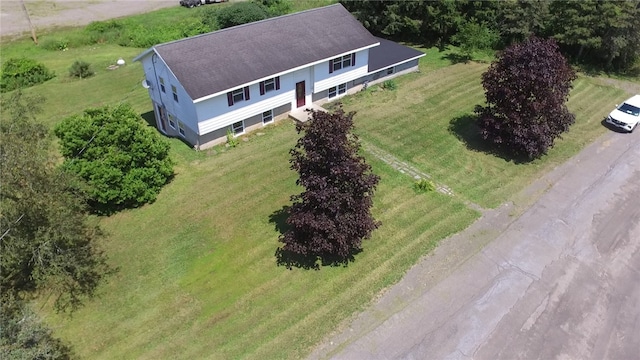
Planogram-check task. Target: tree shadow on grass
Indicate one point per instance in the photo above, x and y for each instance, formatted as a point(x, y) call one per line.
point(456, 58)
point(465, 128)
point(291, 259)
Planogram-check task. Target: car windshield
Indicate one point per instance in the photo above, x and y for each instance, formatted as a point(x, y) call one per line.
point(629, 109)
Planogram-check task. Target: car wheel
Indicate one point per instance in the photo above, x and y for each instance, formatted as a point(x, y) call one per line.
point(633, 128)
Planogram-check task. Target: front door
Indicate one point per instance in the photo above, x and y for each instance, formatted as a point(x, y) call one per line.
point(300, 93)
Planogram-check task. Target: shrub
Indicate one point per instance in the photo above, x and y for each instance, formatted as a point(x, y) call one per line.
point(231, 140)
point(23, 72)
point(389, 85)
point(124, 162)
point(104, 31)
point(80, 69)
point(424, 185)
point(55, 44)
point(240, 13)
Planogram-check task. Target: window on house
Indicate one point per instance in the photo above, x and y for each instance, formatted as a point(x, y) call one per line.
point(342, 62)
point(238, 128)
point(172, 121)
point(267, 117)
point(181, 128)
point(238, 95)
point(390, 70)
point(337, 90)
point(342, 88)
point(270, 85)
point(175, 93)
point(162, 85)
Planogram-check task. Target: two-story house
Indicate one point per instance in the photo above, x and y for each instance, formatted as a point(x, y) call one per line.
point(242, 78)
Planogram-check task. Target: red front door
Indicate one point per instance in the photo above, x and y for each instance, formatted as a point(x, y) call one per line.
point(300, 93)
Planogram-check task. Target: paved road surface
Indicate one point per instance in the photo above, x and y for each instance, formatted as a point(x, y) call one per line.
point(559, 281)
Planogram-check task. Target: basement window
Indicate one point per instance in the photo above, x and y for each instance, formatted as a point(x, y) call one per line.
point(238, 128)
point(267, 117)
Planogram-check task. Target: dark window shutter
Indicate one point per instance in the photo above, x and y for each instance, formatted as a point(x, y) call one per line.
point(353, 59)
point(330, 66)
point(246, 93)
point(261, 87)
point(277, 82)
point(230, 98)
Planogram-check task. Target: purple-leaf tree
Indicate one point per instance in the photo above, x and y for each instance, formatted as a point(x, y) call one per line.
point(331, 217)
point(526, 90)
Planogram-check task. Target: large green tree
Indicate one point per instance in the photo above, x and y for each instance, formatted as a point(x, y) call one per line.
point(124, 162)
point(47, 241)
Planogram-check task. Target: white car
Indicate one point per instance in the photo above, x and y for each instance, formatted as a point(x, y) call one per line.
point(627, 115)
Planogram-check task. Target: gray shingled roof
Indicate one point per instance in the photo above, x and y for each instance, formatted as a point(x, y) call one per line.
point(214, 62)
point(389, 53)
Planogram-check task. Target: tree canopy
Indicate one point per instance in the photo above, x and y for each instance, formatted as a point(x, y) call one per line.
point(331, 217)
point(604, 33)
point(526, 90)
point(124, 162)
point(47, 240)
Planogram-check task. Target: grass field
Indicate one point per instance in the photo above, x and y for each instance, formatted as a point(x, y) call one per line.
point(197, 273)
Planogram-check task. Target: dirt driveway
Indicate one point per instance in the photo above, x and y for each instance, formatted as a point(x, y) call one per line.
point(52, 13)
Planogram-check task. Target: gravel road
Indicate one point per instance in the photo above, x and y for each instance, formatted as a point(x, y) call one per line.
point(52, 13)
point(557, 279)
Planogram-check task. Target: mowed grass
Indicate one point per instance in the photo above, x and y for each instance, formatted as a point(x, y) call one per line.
point(197, 272)
point(428, 121)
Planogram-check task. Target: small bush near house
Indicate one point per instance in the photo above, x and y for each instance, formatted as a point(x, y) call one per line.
point(124, 162)
point(231, 140)
point(424, 185)
point(389, 85)
point(23, 72)
point(81, 69)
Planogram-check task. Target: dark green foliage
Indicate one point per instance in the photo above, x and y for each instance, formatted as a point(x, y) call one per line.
point(275, 7)
point(48, 242)
point(22, 73)
point(603, 33)
point(526, 90)
point(524, 18)
point(331, 217)
point(240, 13)
point(124, 162)
point(23, 336)
point(81, 69)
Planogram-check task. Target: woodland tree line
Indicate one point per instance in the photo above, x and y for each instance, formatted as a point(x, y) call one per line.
point(596, 33)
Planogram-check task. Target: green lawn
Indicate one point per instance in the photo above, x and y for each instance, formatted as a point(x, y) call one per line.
point(427, 121)
point(197, 273)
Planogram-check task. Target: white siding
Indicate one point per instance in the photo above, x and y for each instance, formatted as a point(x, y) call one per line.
point(324, 80)
point(184, 109)
point(215, 113)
